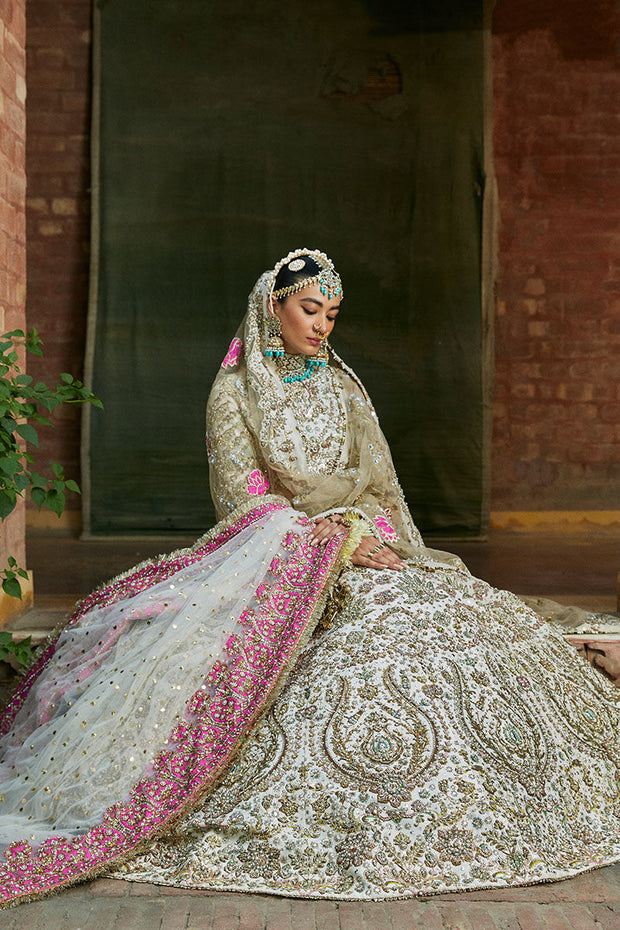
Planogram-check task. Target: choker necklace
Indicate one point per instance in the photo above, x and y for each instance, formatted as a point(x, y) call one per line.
point(293, 368)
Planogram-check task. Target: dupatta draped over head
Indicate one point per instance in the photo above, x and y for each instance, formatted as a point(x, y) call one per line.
point(254, 441)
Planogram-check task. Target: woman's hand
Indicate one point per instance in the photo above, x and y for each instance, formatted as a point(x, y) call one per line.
point(373, 553)
point(325, 528)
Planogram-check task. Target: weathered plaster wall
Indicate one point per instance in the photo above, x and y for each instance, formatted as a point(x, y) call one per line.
point(12, 209)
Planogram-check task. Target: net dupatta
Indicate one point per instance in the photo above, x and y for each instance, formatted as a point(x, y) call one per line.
point(136, 708)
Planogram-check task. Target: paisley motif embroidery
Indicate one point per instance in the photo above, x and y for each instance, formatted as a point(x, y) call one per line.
point(234, 353)
point(502, 727)
point(386, 530)
point(421, 746)
point(388, 746)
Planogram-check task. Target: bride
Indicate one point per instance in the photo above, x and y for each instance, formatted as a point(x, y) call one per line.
point(308, 701)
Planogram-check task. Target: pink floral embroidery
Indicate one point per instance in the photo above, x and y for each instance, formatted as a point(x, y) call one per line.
point(234, 353)
point(218, 717)
point(257, 483)
point(386, 530)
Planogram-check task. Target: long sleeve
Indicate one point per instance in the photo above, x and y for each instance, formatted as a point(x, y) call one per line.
point(381, 499)
point(237, 471)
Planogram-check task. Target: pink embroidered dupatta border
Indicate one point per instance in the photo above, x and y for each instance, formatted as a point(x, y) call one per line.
point(241, 685)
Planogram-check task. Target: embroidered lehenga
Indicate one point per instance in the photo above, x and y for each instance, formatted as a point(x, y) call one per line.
point(256, 714)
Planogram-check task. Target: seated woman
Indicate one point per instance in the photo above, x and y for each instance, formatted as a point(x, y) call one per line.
point(308, 701)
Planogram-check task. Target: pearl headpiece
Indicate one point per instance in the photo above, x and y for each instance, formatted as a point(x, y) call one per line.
point(327, 278)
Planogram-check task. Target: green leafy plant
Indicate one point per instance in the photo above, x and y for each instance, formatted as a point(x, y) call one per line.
point(21, 651)
point(24, 405)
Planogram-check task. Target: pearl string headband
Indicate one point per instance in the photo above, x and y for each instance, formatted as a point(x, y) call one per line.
point(327, 277)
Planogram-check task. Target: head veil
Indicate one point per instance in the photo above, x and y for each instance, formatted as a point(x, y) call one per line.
point(274, 428)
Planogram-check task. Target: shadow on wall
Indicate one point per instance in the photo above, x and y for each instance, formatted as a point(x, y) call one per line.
point(581, 30)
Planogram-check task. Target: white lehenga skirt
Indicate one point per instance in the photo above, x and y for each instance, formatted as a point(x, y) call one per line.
point(438, 736)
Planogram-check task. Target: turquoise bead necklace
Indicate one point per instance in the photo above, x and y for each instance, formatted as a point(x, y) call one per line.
point(311, 364)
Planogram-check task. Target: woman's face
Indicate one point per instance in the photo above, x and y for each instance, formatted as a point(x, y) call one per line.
point(307, 319)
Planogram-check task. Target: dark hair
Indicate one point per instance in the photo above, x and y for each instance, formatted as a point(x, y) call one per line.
point(287, 278)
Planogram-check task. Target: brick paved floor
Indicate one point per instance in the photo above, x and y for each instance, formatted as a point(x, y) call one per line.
point(588, 902)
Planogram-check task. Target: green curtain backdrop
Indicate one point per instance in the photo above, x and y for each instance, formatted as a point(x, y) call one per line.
point(229, 132)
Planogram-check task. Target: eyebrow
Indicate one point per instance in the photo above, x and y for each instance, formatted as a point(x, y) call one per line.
point(319, 303)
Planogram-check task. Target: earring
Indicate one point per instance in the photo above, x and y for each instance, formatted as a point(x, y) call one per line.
point(275, 346)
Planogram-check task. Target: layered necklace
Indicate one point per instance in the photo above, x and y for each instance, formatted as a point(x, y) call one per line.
point(300, 367)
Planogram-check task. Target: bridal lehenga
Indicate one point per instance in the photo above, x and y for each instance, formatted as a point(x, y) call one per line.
point(257, 714)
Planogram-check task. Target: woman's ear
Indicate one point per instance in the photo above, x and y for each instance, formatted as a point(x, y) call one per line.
point(273, 306)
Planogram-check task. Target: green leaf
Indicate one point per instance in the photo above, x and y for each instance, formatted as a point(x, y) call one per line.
point(12, 561)
point(21, 482)
point(12, 587)
point(72, 485)
point(27, 410)
point(67, 378)
point(38, 496)
point(9, 464)
point(28, 432)
point(55, 501)
point(22, 573)
point(7, 503)
point(57, 469)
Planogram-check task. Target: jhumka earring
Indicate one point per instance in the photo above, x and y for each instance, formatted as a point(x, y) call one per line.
point(274, 347)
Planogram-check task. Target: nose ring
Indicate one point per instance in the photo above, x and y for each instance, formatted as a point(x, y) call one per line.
point(318, 331)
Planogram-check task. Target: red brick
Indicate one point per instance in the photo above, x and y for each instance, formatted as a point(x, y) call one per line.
point(109, 887)
point(175, 914)
point(606, 917)
point(404, 915)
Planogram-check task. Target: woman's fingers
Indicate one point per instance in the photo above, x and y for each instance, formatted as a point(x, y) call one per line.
point(373, 553)
point(324, 529)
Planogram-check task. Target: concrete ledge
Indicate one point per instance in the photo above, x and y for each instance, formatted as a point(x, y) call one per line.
point(44, 521)
point(549, 521)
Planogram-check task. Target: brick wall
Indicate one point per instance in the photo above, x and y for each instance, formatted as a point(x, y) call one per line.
point(557, 157)
point(556, 438)
point(58, 205)
point(12, 208)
